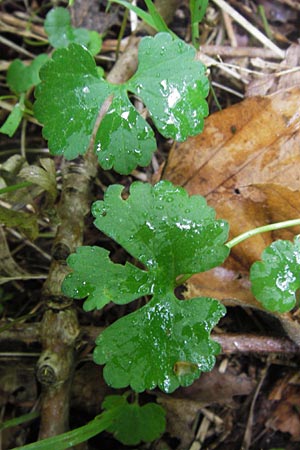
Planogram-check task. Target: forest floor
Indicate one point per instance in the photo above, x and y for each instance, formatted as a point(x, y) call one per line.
point(251, 399)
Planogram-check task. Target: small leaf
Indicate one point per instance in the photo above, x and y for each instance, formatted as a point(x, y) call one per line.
point(170, 234)
point(132, 423)
point(95, 42)
point(276, 278)
point(13, 120)
point(61, 33)
point(172, 85)
point(124, 139)
point(27, 223)
point(44, 176)
point(155, 338)
point(20, 77)
point(117, 283)
point(82, 92)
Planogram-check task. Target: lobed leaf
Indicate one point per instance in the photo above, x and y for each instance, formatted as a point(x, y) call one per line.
point(80, 90)
point(95, 276)
point(165, 343)
point(169, 232)
point(172, 84)
point(124, 139)
point(21, 77)
point(175, 99)
point(61, 33)
point(275, 279)
point(132, 423)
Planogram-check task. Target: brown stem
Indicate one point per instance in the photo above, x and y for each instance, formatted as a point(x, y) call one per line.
point(59, 328)
point(231, 343)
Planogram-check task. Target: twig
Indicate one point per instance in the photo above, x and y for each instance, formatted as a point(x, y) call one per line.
point(16, 47)
point(249, 27)
point(248, 432)
point(231, 343)
point(227, 89)
point(239, 52)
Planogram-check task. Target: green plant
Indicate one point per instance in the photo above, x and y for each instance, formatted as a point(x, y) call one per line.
point(169, 235)
point(130, 423)
point(21, 78)
point(174, 99)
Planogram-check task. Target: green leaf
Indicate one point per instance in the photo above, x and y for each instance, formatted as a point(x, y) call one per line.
point(172, 85)
point(165, 343)
point(18, 420)
point(275, 279)
point(117, 283)
point(124, 139)
point(158, 20)
point(61, 33)
point(158, 342)
point(20, 77)
point(80, 90)
point(175, 99)
point(95, 42)
point(197, 10)
point(74, 437)
point(13, 120)
point(132, 423)
point(163, 228)
point(27, 223)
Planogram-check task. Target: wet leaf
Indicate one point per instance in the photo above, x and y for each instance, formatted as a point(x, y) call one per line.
point(61, 33)
point(82, 92)
point(174, 98)
point(275, 279)
point(117, 283)
point(170, 234)
point(155, 339)
point(132, 423)
point(124, 140)
point(20, 77)
point(245, 164)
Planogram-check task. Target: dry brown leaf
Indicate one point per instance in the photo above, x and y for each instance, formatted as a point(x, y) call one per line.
point(184, 405)
point(285, 416)
point(246, 163)
point(286, 76)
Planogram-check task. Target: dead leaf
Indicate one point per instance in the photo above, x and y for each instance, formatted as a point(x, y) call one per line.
point(246, 164)
point(286, 76)
point(285, 416)
point(44, 176)
point(184, 405)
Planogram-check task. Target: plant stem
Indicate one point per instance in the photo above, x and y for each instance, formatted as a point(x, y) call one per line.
point(271, 227)
point(74, 437)
point(248, 234)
